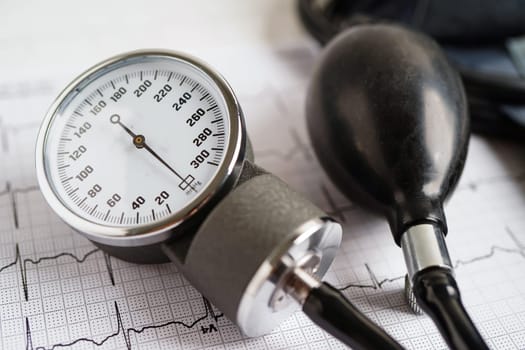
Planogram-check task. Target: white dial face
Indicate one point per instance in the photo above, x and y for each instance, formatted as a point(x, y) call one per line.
point(136, 141)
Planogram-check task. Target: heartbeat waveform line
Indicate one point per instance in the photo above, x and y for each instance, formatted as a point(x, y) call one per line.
point(11, 193)
point(9, 189)
point(109, 267)
point(339, 210)
point(24, 262)
point(6, 130)
point(378, 284)
point(25, 89)
point(14, 207)
point(473, 185)
point(333, 209)
point(3, 136)
point(126, 332)
point(298, 147)
point(493, 249)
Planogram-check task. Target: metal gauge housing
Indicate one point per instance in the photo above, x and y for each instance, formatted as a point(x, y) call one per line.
point(138, 145)
point(151, 144)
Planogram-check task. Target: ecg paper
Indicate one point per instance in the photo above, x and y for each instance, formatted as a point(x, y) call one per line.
point(58, 291)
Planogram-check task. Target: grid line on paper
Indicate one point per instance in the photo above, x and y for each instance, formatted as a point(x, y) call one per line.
point(73, 300)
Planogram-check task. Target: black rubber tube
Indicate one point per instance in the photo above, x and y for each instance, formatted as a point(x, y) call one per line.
point(438, 295)
point(329, 309)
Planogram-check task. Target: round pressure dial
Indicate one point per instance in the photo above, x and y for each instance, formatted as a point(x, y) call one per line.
point(138, 144)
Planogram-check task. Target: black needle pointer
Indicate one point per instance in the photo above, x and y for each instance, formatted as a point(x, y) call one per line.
point(140, 142)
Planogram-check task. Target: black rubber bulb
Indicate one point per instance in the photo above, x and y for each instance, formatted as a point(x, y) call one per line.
point(388, 120)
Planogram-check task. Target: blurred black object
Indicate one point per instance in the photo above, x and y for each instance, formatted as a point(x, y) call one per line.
point(387, 117)
point(474, 33)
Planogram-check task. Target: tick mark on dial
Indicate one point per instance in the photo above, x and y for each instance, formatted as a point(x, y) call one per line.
point(71, 192)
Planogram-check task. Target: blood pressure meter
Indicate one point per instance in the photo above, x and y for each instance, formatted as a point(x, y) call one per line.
point(138, 145)
point(146, 155)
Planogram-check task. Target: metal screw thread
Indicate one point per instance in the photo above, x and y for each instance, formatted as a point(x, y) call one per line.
point(411, 298)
